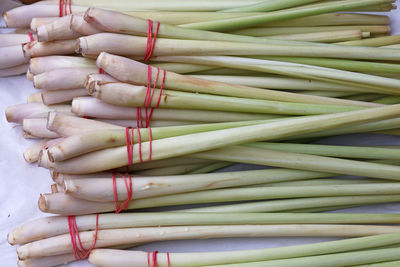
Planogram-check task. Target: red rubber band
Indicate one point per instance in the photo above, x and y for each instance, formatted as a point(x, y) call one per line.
point(150, 93)
point(154, 259)
point(79, 251)
point(128, 186)
point(151, 41)
point(129, 144)
point(63, 6)
point(60, 11)
point(101, 71)
point(31, 37)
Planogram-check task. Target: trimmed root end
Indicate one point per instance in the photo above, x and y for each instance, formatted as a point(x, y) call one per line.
point(50, 119)
point(11, 239)
point(42, 203)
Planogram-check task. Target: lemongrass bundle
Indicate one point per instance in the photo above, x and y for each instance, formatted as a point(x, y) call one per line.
point(116, 157)
point(134, 46)
point(92, 107)
point(130, 71)
point(134, 96)
point(133, 236)
point(55, 225)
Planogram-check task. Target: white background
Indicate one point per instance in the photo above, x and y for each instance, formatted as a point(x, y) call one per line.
point(21, 183)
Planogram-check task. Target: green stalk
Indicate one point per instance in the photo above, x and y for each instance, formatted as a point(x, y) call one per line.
point(374, 42)
point(192, 143)
point(171, 170)
point(262, 156)
point(270, 5)
point(244, 256)
point(325, 37)
point(182, 68)
point(211, 167)
point(328, 93)
point(273, 31)
point(333, 208)
point(361, 152)
point(342, 64)
point(292, 13)
point(333, 260)
point(381, 264)
point(388, 100)
point(385, 85)
point(333, 19)
point(364, 97)
point(123, 94)
point(286, 205)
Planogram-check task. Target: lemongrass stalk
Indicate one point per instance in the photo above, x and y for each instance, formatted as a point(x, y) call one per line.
point(293, 29)
point(12, 56)
point(47, 261)
point(10, 39)
point(116, 157)
point(291, 13)
point(88, 141)
point(327, 181)
point(160, 5)
point(35, 98)
point(56, 79)
point(32, 153)
point(39, 21)
point(389, 100)
point(69, 125)
point(171, 170)
point(269, 6)
point(381, 264)
point(124, 94)
point(328, 93)
point(36, 128)
point(342, 259)
point(332, 19)
point(42, 64)
point(295, 70)
point(134, 46)
point(377, 8)
point(343, 64)
point(374, 42)
point(51, 97)
point(79, 25)
point(57, 30)
point(211, 168)
point(283, 83)
point(262, 156)
point(108, 257)
point(49, 203)
point(42, 49)
point(364, 97)
point(110, 21)
point(392, 46)
point(325, 37)
point(92, 107)
point(333, 208)
point(143, 187)
point(358, 128)
point(19, 112)
point(133, 236)
point(183, 68)
point(55, 225)
point(333, 150)
point(131, 71)
point(11, 71)
point(64, 204)
point(287, 205)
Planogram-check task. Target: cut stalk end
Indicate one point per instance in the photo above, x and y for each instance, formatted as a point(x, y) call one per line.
point(42, 204)
point(42, 33)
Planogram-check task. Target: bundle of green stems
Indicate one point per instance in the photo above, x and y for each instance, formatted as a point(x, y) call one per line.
point(249, 82)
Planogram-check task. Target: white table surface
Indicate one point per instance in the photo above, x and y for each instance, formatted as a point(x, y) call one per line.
point(21, 183)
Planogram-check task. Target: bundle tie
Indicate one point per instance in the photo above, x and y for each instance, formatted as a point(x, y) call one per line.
point(101, 71)
point(129, 135)
point(31, 37)
point(62, 7)
point(149, 97)
point(153, 256)
point(151, 41)
point(128, 186)
point(80, 252)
